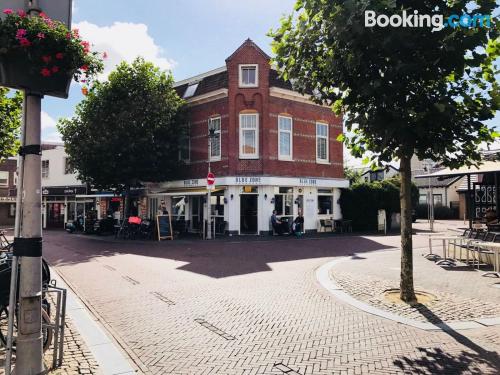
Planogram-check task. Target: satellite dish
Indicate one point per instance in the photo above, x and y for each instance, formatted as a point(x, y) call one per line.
point(58, 10)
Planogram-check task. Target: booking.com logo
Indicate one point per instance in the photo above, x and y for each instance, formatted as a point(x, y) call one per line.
point(436, 21)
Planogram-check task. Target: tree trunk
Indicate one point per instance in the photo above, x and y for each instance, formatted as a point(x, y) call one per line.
point(407, 293)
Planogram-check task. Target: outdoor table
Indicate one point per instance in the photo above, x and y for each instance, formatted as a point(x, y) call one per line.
point(495, 247)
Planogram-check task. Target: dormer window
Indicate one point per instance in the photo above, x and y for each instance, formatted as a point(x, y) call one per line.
point(191, 89)
point(249, 75)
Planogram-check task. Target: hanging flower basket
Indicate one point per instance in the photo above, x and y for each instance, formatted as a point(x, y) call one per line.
point(40, 55)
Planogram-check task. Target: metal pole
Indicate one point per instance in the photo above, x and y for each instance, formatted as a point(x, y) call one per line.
point(29, 352)
point(209, 194)
point(17, 233)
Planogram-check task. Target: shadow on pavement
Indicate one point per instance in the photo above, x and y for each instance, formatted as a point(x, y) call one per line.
point(218, 258)
point(436, 361)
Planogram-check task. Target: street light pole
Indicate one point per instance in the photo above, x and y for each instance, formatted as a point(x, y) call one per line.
point(211, 134)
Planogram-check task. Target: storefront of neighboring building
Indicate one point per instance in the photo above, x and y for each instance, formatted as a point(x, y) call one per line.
point(8, 182)
point(272, 149)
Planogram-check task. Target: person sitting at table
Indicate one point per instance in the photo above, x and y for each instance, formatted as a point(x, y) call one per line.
point(298, 224)
point(279, 226)
point(491, 216)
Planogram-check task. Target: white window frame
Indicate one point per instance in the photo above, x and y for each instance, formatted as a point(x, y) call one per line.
point(219, 133)
point(46, 174)
point(240, 75)
point(280, 156)
point(5, 173)
point(320, 160)
point(256, 154)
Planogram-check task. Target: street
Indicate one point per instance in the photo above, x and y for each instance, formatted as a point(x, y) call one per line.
point(245, 305)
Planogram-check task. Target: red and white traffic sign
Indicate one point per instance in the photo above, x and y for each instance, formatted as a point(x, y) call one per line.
point(210, 179)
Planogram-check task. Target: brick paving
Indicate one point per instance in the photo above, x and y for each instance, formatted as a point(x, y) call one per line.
point(77, 357)
point(252, 307)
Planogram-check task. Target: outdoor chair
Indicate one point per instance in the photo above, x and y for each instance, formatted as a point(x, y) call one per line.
point(324, 223)
point(481, 252)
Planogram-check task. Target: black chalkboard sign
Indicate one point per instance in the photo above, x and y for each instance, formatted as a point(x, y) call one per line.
point(164, 225)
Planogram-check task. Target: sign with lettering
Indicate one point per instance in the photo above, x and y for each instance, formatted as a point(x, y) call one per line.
point(190, 183)
point(64, 190)
point(307, 182)
point(164, 227)
point(248, 180)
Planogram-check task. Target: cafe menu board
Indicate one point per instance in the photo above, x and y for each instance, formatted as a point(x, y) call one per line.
point(164, 225)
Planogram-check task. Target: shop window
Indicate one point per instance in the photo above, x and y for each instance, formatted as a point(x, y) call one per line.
point(283, 201)
point(325, 204)
point(249, 75)
point(249, 136)
point(217, 204)
point(438, 199)
point(215, 144)
point(4, 179)
point(45, 169)
point(321, 142)
point(285, 138)
point(12, 210)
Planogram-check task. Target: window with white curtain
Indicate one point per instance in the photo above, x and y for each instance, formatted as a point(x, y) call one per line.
point(321, 142)
point(215, 149)
point(285, 138)
point(249, 136)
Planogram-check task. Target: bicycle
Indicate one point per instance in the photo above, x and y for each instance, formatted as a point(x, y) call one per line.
point(5, 275)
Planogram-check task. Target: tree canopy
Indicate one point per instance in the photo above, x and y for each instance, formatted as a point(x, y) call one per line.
point(127, 129)
point(10, 122)
point(403, 90)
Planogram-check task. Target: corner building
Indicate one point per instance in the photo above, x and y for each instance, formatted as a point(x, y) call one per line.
point(272, 148)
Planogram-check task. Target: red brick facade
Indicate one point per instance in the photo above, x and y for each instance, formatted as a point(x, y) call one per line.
point(268, 106)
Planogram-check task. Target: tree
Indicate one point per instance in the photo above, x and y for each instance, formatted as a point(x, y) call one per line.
point(353, 175)
point(402, 90)
point(10, 122)
point(127, 129)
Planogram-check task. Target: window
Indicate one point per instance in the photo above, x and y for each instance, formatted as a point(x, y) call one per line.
point(185, 146)
point(45, 169)
point(190, 90)
point(376, 175)
point(422, 199)
point(325, 204)
point(285, 138)
point(283, 201)
point(249, 136)
point(249, 75)
point(215, 144)
point(438, 199)
point(12, 210)
point(321, 142)
point(4, 179)
point(67, 166)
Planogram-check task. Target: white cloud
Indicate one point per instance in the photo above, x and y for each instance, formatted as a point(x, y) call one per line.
point(123, 41)
point(49, 130)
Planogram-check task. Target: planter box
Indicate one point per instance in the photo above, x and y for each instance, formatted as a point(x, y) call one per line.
point(16, 72)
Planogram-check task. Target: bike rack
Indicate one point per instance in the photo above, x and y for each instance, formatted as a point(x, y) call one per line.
point(59, 323)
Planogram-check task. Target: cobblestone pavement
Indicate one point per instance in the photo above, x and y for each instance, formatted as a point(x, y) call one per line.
point(77, 358)
point(252, 307)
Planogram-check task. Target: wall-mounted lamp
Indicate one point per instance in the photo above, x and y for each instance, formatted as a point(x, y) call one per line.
point(232, 196)
point(265, 197)
point(225, 200)
point(272, 200)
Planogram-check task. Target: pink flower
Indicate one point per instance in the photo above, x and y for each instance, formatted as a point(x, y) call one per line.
point(59, 55)
point(76, 33)
point(86, 47)
point(8, 11)
point(84, 68)
point(55, 69)
point(40, 36)
point(68, 35)
point(43, 15)
point(104, 55)
point(45, 72)
point(24, 42)
point(21, 33)
point(46, 59)
point(21, 13)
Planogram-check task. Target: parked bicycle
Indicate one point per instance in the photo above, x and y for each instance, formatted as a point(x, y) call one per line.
point(5, 310)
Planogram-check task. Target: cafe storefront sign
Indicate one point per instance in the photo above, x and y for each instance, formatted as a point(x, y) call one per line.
point(63, 191)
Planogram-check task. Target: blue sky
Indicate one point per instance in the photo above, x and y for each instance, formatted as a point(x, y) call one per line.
point(187, 36)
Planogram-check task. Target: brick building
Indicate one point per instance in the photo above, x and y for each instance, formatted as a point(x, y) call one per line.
point(272, 149)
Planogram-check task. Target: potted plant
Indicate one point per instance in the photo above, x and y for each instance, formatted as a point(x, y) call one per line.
point(41, 55)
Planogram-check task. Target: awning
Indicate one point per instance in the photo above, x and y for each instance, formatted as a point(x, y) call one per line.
point(182, 192)
point(96, 196)
point(486, 167)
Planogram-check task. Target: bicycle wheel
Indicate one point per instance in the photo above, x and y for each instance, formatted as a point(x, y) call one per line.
point(47, 329)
